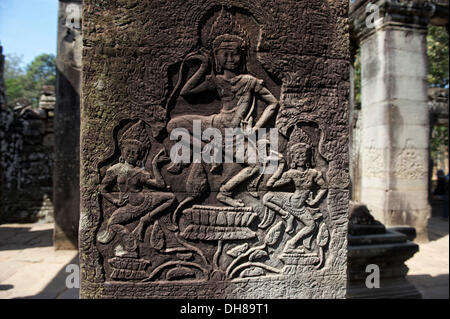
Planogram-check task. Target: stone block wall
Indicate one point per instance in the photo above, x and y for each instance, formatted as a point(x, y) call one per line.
point(27, 161)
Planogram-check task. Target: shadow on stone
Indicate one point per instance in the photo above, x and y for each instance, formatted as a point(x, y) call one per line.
point(57, 288)
point(6, 287)
point(431, 287)
point(16, 238)
point(371, 243)
point(437, 228)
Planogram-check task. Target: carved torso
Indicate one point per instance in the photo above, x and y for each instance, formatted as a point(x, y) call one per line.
point(236, 95)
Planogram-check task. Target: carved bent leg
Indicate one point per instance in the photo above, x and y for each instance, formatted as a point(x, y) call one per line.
point(306, 231)
point(225, 192)
point(275, 203)
point(122, 216)
point(186, 122)
point(113, 225)
point(161, 202)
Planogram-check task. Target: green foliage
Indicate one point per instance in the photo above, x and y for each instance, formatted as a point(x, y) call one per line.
point(12, 66)
point(14, 88)
point(439, 140)
point(438, 65)
point(28, 83)
point(42, 70)
point(438, 56)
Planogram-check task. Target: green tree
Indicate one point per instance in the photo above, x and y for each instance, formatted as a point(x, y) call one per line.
point(13, 68)
point(14, 88)
point(28, 83)
point(14, 77)
point(438, 66)
point(42, 71)
point(439, 140)
point(437, 43)
point(357, 78)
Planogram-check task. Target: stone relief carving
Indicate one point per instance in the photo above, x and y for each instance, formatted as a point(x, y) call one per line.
point(207, 223)
point(409, 163)
point(238, 91)
point(373, 163)
point(132, 201)
point(144, 197)
point(300, 204)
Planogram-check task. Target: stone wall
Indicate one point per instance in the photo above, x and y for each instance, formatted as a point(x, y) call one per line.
point(2, 82)
point(26, 161)
point(2, 107)
point(67, 126)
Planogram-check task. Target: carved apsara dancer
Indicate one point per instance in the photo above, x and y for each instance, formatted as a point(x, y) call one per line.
point(236, 89)
point(297, 205)
point(130, 177)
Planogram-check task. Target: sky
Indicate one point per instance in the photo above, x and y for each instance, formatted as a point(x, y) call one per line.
point(28, 28)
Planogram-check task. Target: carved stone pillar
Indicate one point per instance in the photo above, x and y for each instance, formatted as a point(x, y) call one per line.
point(3, 129)
point(66, 184)
point(395, 124)
point(2, 82)
point(156, 73)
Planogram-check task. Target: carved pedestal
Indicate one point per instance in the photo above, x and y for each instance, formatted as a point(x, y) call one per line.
point(370, 243)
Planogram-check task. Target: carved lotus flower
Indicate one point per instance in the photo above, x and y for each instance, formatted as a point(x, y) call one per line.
point(219, 223)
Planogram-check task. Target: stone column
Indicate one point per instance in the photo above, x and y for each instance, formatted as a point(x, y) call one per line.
point(66, 191)
point(151, 227)
point(395, 119)
point(2, 82)
point(2, 128)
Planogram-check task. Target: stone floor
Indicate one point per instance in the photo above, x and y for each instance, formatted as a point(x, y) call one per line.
point(428, 269)
point(30, 268)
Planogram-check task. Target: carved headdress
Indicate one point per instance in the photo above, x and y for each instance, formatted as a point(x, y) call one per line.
point(300, 139)
point(225, 30)
point(136, 135)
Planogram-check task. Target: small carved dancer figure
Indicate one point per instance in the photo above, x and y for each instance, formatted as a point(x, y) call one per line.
point(297, 205)
point(134, 201)
point(236, 89)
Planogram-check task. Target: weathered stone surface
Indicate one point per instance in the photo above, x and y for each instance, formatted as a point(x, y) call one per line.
point(394, 122)
point(2, 82)
point(26, 162)
point(66, 190)
point(154, 229)
point(2, 130)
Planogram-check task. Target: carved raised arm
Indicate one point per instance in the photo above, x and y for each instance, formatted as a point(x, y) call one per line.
point(193, 85)
point(276, 176)
point(158, 181)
